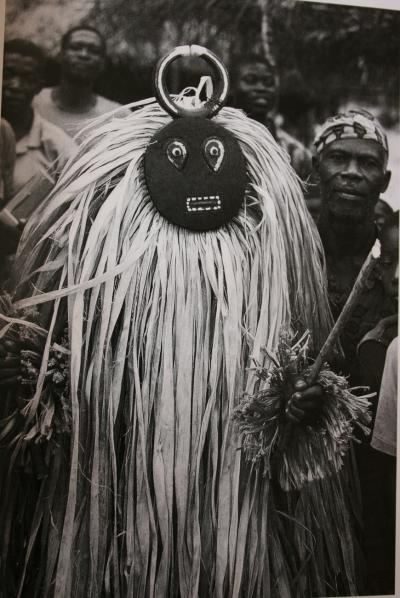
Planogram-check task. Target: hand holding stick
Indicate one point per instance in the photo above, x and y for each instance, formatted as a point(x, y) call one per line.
point(267, 421)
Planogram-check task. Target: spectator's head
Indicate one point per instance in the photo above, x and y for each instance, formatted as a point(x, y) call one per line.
point(83, 54)
point(350, 163)
point(254, 85)
point(382, 213)
point(389, 237)
point(22, 76)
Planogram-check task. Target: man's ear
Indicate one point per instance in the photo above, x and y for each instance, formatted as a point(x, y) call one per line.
point(40, 83)
point(315, 170)
point(386, 180)
point(41, 71)
point(104, 64)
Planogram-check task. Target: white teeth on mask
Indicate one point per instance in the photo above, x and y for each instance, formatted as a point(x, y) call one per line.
point(208, 203)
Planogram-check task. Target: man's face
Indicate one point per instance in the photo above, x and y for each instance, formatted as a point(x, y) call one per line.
point(21, 82)
point(390, 261)
point(83, 56)
point(352, 175)
point(255, 89)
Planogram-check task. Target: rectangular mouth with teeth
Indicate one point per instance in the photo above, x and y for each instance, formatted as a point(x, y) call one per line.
point(203, 203)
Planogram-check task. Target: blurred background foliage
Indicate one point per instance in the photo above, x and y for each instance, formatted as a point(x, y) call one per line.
point(326, 55)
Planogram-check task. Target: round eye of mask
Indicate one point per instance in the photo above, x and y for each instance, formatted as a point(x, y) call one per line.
point(177, 153)
point(195, 173)
point(214, 153)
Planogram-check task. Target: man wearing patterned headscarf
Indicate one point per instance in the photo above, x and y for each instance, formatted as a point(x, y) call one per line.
point(351, 165)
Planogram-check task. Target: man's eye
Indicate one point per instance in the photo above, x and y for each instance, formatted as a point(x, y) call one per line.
point(93, 49)
point(268, 81)
point(336, 157)
point(369, 163)
point(249, 79)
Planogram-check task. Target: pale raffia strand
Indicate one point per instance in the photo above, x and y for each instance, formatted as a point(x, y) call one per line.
point(152, 495)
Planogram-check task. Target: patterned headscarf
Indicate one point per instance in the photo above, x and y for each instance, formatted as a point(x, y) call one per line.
point(354, 124)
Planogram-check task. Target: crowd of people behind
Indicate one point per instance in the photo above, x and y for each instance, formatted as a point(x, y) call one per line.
point(345, 178)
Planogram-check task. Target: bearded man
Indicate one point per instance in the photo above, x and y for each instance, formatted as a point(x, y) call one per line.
point(351, 163)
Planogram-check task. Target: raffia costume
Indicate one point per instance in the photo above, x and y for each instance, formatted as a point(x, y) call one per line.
point(146, 492)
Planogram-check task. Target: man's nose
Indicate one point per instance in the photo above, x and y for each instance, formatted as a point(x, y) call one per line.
point(352, 169)
point(260, 85)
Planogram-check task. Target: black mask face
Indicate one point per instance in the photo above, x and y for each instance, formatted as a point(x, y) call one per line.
point(195, 173)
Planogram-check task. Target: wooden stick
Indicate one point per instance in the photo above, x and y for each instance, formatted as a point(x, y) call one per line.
point(343, 318)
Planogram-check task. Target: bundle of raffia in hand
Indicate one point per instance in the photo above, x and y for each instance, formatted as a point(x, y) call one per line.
point(299, 454)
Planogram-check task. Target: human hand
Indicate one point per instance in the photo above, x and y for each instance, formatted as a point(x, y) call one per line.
point(305, 402)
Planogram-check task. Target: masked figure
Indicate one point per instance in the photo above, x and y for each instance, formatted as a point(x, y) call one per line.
point(173, 252)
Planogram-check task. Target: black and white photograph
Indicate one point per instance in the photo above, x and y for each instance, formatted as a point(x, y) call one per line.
point(199, 246)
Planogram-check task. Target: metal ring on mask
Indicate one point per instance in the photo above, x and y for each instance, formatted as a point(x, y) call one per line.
point(213, 105)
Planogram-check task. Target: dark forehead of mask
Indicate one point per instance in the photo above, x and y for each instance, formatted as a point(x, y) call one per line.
point(195, 173)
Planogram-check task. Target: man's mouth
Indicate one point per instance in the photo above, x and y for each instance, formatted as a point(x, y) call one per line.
point(262, 101)
point(350, 194)
point(81, 66)
point(203, 203)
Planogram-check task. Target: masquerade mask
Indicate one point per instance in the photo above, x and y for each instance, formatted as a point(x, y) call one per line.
point(194, 168)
